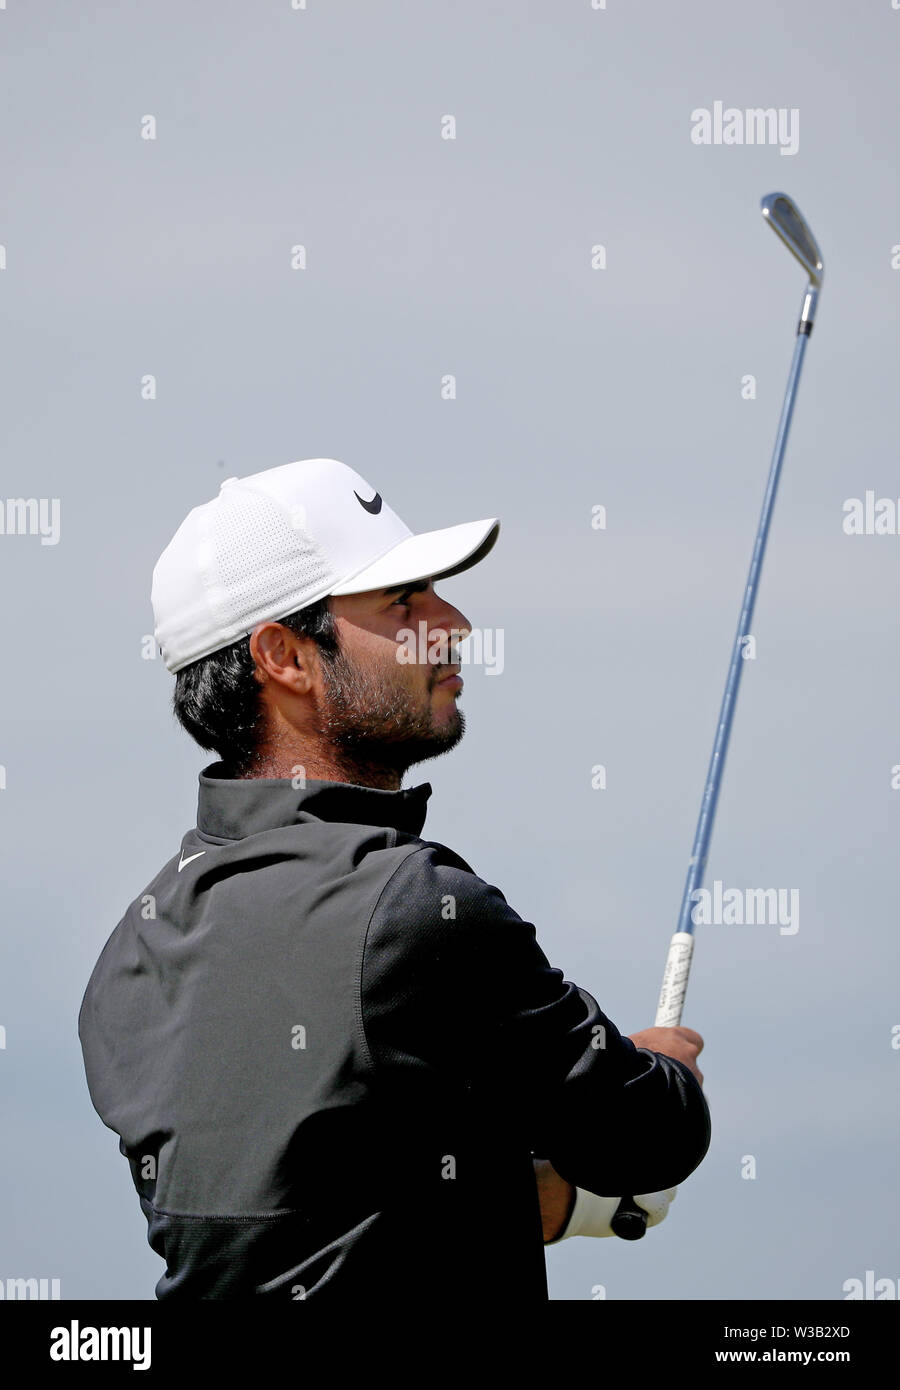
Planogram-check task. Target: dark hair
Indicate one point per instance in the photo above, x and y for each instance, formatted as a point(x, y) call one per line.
point(217, 698)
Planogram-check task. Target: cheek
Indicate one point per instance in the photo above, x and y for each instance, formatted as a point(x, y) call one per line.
point(384, 660)
point(402, 653)
point(406, 667)
point(389, 655)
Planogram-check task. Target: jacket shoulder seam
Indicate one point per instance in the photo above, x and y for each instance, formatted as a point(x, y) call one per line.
point(364, 941)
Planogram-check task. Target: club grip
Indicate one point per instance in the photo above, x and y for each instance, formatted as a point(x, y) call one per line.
point(629, 1221)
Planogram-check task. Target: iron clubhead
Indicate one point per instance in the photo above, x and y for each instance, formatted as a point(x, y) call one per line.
point(785, 218)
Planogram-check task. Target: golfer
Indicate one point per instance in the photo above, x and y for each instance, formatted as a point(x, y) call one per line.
point(339, 1063)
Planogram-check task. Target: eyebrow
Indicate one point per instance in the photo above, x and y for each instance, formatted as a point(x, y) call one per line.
point(418, 586)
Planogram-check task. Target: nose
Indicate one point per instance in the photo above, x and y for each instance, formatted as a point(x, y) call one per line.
point(444, 618)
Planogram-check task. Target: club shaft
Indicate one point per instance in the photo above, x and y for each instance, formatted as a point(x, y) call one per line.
point(700, 850)
point(630, 1221)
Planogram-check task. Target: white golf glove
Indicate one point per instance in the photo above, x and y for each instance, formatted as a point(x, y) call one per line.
point(591, 1214)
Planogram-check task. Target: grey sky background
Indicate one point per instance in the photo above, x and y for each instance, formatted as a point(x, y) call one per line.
point(575, 387)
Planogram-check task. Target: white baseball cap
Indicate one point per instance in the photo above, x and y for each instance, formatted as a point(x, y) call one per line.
point(277, 541)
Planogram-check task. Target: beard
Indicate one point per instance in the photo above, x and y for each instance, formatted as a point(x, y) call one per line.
point(376, 722)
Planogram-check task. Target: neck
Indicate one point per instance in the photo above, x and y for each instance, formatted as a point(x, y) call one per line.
point(318, 767)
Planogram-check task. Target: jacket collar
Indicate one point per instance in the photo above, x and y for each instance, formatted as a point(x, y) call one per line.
point(230, 808)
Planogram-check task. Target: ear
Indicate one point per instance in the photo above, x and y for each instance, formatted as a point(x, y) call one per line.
point(283, 657)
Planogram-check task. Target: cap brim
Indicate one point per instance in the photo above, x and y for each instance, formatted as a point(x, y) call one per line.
point(434, 555)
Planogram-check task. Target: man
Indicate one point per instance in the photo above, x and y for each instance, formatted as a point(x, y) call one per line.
point(339, 1064)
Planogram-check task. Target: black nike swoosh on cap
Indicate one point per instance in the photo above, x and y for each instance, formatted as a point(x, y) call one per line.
point(373, 506)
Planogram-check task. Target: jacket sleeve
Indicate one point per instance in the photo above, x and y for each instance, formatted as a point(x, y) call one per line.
point(453, 978)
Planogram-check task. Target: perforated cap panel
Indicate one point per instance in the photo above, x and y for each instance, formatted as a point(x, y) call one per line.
point(259, 562)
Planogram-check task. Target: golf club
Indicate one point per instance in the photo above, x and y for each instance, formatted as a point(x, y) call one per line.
point(785, 218)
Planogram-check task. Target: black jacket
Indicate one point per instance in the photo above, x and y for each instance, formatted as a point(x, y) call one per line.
point(330, 1050)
